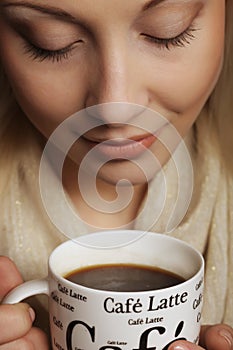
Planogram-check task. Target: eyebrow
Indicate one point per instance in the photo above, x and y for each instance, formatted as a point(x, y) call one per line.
point(49, 10)
point(152, 3)
point(59, 13)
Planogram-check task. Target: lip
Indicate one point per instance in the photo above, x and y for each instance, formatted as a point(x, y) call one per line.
point(120, 148)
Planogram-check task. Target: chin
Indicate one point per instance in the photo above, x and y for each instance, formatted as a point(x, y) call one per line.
point(127, 173)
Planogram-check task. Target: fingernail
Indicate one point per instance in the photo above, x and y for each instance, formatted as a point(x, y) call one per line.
point(32, 314)
point(227, 336)
point(180, 347)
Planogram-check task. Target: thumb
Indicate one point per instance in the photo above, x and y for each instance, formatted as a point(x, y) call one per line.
point(9, 276)
point(184, 345)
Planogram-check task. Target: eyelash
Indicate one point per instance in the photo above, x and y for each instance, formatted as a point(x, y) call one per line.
point(38, 53)
point(180, 40)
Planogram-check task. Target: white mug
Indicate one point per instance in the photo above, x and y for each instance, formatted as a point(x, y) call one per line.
point(84, 318)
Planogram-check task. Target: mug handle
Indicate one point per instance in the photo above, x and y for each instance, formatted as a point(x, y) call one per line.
point(27, 289)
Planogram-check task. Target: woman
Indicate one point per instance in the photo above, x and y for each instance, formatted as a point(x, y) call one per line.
point(167, 56)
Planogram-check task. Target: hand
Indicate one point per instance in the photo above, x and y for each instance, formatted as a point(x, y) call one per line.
point(16, 330)
point(217, 337)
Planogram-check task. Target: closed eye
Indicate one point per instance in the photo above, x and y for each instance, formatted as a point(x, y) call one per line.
point(41, 54)
point(180, 40)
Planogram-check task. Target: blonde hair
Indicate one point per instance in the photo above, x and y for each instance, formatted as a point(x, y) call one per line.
point(17, 135)
point(220, 104)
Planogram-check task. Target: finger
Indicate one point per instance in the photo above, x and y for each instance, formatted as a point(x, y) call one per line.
point(9, 276)
point(15, 321)
point(184, 345)
point(38, 338)
point(35, 339)
point(217, 337)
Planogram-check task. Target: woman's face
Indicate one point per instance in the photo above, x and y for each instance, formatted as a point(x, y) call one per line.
point(63, 56)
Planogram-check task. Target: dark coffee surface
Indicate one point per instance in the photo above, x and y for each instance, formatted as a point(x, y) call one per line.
point(124, 278)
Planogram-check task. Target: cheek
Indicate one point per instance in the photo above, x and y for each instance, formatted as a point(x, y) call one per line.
point(46, 93)
point(185, 80)
point(46, 99)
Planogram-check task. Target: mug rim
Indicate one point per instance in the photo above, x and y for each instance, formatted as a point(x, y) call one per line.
point(61, 278)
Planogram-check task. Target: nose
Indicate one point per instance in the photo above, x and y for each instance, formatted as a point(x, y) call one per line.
point(116, 87)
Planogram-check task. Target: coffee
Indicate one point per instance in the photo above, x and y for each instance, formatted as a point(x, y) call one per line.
point(124, 277)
